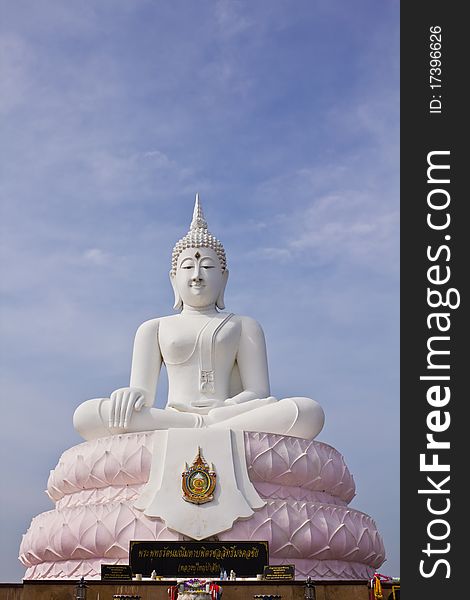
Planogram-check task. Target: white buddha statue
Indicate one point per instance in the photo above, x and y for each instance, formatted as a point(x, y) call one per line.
point(139, 474)
point(216, 361)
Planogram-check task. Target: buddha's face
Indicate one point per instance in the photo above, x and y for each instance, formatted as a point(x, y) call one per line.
point(199, 278)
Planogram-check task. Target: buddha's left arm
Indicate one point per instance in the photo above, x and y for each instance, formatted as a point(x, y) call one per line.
point(252, 363)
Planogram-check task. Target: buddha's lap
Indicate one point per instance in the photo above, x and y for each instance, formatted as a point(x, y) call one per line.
point(298, 416)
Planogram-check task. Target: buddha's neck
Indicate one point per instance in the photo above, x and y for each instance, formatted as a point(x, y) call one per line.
point(203, 310)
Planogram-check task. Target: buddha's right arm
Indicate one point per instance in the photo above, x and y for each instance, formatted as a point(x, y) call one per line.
point(146, 360)
point(146, 363)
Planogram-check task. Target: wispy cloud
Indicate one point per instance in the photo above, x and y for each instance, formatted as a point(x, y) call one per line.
point(231, 17)
point(97, 257)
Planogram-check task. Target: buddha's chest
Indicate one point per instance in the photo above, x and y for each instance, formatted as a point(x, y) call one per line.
point(198, 339)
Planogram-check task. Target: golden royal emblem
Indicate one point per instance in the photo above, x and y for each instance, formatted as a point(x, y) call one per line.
point(198, 481)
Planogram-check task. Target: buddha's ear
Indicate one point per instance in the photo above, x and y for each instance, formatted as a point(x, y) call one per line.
point(178, 305)
point(220, 303)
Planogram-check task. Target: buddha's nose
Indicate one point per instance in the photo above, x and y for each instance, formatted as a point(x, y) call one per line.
point(197, 272)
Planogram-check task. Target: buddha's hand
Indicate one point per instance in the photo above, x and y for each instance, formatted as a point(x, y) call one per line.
point(124, 402)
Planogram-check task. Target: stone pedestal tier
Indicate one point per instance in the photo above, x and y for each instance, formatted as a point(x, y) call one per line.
point(306, 519)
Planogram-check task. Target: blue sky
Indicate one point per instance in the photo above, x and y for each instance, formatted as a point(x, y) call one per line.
point(284, 116)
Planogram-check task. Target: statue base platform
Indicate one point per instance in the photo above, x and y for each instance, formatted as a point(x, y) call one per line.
point(306, 487)
point(232, 590)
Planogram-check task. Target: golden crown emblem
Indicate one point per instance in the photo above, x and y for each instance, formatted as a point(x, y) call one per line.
point(198, 481)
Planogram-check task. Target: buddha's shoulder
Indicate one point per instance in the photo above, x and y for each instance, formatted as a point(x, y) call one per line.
point(152, 327)
point(249, 324)
point(149, 326)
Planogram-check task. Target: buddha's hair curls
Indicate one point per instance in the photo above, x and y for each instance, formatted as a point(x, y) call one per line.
point(198, 236)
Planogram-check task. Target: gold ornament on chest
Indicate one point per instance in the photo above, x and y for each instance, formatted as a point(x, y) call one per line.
point(198, 481)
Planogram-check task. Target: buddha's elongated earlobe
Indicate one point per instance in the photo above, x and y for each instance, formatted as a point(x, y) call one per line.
point(178, 305)
point(220, 303)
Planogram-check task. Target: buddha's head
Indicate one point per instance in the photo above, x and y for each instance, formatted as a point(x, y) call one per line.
point(198, 266)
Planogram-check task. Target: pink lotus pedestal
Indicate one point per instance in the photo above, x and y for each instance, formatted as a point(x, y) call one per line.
point(306, 519)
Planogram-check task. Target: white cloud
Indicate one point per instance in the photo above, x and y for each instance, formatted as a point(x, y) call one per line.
point(345, 226)
point(352, 226)
point(231, 17)
point(97, 257)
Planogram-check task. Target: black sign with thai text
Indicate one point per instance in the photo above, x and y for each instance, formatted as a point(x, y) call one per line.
point(279, 573)
point(198, 559)
point(116, 572)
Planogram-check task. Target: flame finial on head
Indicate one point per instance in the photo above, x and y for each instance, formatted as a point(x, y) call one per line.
point(198, 221)
point(198, 236)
